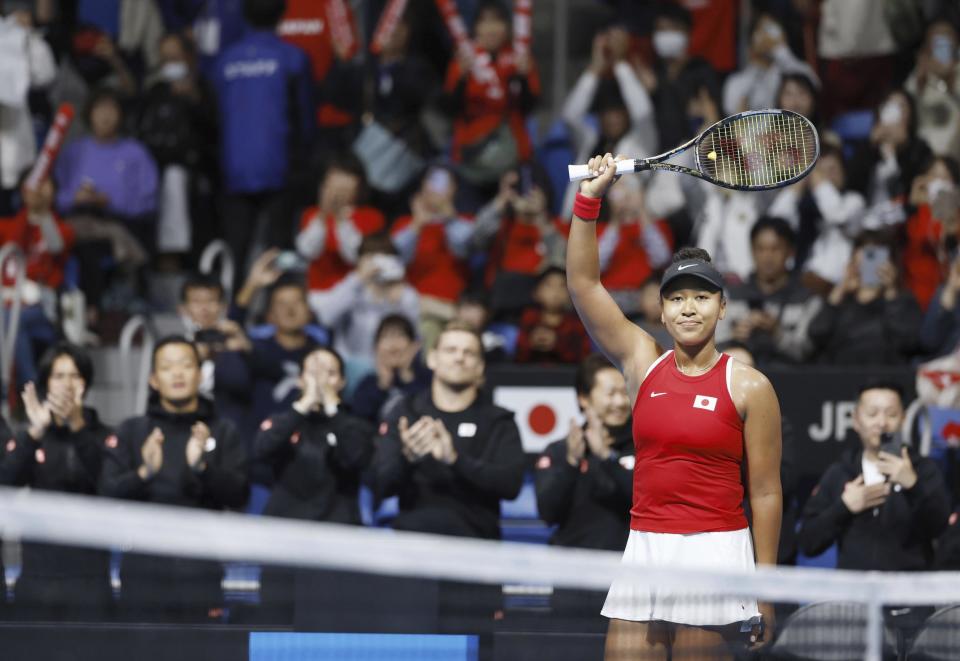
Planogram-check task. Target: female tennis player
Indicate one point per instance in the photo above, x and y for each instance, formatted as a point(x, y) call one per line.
point(698, 418)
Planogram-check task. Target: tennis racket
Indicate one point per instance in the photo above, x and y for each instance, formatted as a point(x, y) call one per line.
point(753, 150)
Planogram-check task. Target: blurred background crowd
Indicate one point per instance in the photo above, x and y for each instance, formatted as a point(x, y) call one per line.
point(374, 176)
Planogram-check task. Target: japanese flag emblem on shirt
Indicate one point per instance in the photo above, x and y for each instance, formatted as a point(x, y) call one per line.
point(705, 403)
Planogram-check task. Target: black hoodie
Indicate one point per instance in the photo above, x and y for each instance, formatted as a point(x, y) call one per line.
point(223, 484)
point(896, 536)
point(61, 460)
point(316, 461)
point(460, 499)
point(591, 501)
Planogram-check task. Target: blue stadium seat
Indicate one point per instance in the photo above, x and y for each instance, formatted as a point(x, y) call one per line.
point(509, 334)
point(853, 127)
point(826, 560)
point(555, 153)
point(315, 332)
point(519, 518)
point(371, 514)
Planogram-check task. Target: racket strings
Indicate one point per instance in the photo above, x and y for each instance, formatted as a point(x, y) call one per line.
point(758, 150)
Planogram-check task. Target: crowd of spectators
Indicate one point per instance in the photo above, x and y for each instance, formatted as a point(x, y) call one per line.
point(396, 228)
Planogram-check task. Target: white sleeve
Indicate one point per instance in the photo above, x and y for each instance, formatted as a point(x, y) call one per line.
point(737, 89)
point(348, 240)
point(43, 67)
point(643, 122)
point(785, 206)
point(312, 239)
point(656, 246)
point(576, 107)
point(837, 208)
point(607, 245)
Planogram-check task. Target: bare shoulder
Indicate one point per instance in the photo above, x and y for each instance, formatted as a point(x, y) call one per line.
point(750, 389)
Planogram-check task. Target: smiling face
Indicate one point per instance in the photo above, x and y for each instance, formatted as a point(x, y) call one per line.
point(691, 310)
point(608, 398)
point(65, 378)
point(176, 373)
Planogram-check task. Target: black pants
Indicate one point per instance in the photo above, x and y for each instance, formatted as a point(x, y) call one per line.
point(254, 221)
point(162, 589)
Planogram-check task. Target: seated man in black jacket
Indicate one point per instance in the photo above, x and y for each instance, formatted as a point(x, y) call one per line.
point(179, 453)
point(317, 451)
point(883, 509)
point(450, 454)
point(585, 481)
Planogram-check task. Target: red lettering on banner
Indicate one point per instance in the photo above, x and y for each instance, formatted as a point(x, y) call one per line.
point(387, 25)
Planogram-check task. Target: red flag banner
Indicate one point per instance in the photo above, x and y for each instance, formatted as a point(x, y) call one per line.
point(387, 25)
point(341, 29)
point(482, 65)
point(51, 145)
point(522, 26)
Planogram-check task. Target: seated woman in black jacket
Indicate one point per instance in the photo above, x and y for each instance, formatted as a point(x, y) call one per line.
point(59, 451)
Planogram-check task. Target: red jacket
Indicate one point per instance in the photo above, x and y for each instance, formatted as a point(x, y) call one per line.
point(922, 273)
point(43, 267)
point(518, 248)
point(571, 345)
point(434, 269)
point(630, 267)
point(484, 111)
point(329, 267)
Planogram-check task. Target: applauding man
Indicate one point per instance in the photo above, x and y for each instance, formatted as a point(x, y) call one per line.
point(585, 481)
point(450, 454)
point(179, 453)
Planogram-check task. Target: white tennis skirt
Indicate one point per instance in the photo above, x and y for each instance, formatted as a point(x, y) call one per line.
point(628, 599)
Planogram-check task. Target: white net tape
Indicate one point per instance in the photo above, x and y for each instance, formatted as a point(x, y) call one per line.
point(165, 530)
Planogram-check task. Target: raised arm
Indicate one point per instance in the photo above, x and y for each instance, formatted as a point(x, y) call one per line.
point(625, 344)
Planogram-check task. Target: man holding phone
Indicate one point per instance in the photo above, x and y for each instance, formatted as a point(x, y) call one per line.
point(882, 503)
point(868, 319)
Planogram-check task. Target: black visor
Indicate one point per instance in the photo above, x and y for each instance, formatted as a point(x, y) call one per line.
point(694, 268)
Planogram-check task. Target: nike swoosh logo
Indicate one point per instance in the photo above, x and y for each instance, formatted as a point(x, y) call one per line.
point(657, 394)
point(685, 266)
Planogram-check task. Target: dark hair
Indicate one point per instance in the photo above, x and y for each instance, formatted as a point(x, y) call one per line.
point(880, 384)
point(79, 357)
point(330, 350)
point(167, 341)
point(547, 272)
point(100, 95)
point(949, 162)
point(690, 252)
point(586, 376)
point(608, 96)
point(395, 322)
point(25, 174)
point(200, 281)
point(264, 14)
point(474, 297)
point(874, 238)
point(673, 12)
point(377, 243)
point(778, 226)
point(347, 162)
point(285, 281)
point(496, 7)
point(807, 83)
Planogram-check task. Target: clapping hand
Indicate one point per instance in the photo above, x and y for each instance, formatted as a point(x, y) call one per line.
point(38, 413)
point(199, 433)
point(152, 454)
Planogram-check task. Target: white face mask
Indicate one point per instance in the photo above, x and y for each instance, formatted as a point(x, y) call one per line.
point(670, 44)
point(174, 71)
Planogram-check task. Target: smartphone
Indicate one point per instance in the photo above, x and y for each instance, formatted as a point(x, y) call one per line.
point(871, 259)
point(526, 179)
point(891, 443)
point(439, 181)
point(756, 621)
point(290, 260)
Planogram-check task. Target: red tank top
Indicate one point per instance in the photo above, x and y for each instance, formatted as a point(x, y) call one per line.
point(689, 448)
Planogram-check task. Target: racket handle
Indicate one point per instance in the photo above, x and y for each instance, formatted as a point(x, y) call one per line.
point(578, 172)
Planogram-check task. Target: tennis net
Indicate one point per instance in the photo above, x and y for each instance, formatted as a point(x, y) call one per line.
point(303, 590)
